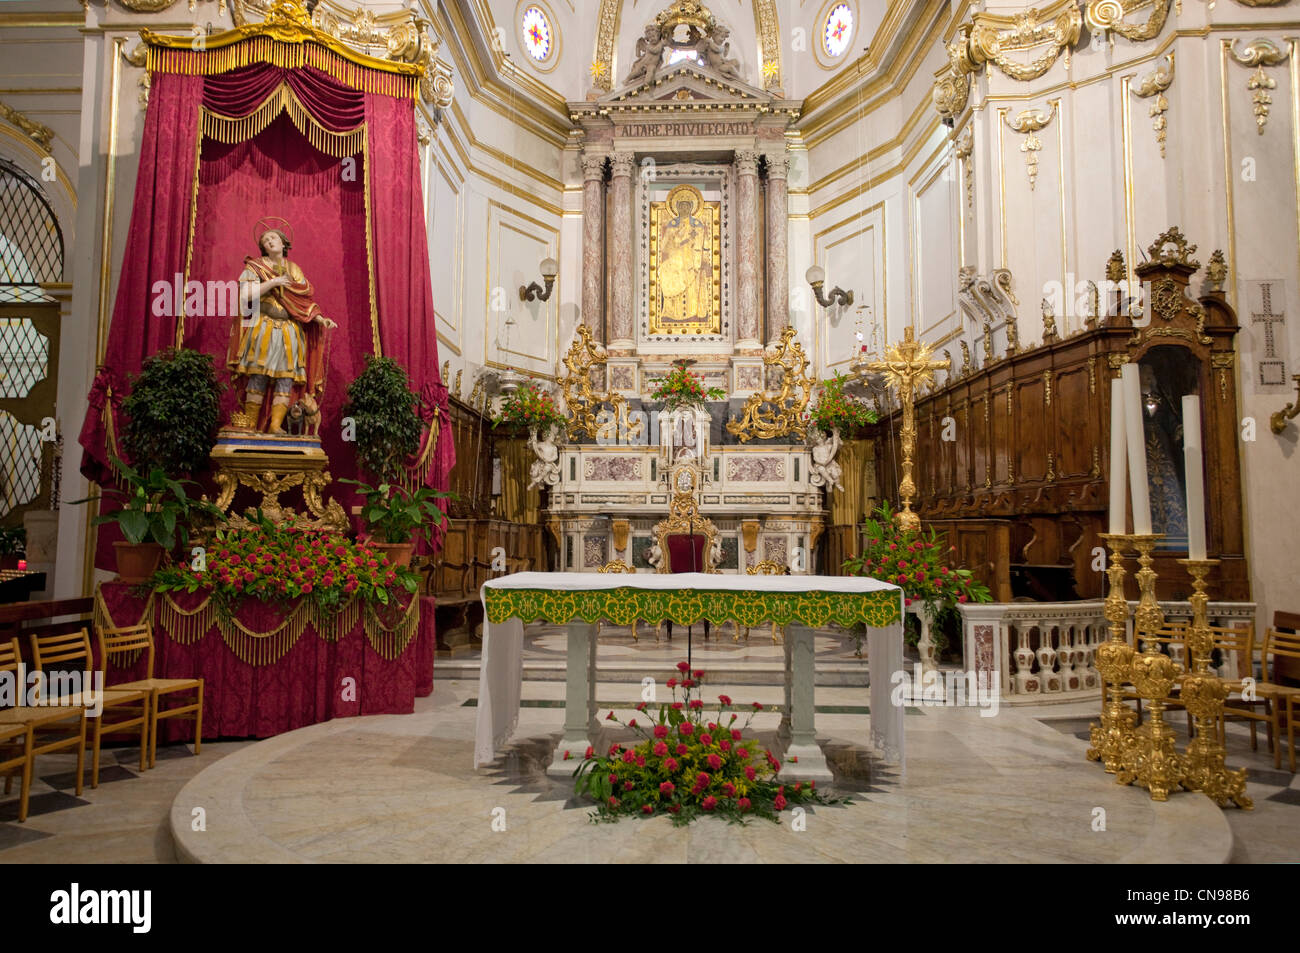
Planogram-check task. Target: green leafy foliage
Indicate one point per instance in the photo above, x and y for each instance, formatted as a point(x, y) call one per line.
point(921, 564)
point(154, 507)
point(13, 541)
point(680, 388)
point(396, 515)
point(687, 766)
point(527, 408)
point(388, 426)
point(280, 565)
point(173, 412)
point(837, 410)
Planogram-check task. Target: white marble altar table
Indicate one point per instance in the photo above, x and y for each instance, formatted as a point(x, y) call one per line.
point(579, 600)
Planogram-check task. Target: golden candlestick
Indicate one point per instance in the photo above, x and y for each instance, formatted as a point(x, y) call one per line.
point(1110, 739)
point(1204, 693)
point(1153, 760)
point(907, 367)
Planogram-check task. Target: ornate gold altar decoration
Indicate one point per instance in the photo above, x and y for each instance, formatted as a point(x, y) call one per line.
point(684, 518)
point(1203, 694)
point(1113, 736)
point(1110, 15)
point(785, 413)
point(1258, 54)
point(1029, 123)
point(1004, 41)
point(965, 148)
point(39, 133)
point(270, 474)
point(951, 90)
point(685, 264)
point(1171, 250)
point(907, 367)
point(1154, 84)
point(580, 396)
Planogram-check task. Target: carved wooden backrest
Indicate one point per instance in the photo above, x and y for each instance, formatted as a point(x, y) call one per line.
point(684, 519)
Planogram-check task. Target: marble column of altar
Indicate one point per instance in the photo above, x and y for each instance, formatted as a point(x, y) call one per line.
point(621, 320)
point(593, 241)
point(778, 267)
point(747, 249)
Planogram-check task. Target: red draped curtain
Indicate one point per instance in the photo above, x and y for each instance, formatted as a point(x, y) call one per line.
point(340, 164)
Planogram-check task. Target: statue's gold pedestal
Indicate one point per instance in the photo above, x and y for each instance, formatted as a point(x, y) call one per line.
point(270, 465)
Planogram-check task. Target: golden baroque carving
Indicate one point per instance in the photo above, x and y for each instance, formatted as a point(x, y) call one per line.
point(1110, 15)
point(951, 93)
point(965, 149)
point(39, 133)
point(769, 37)
point(582, 400)
point(1116, 271)
point(146, 6)
point(602, 67)
point(1029, 123)
point(410, 42)
point(1172, 248)
point(785, 415)
point(1154, 84)
point(1216, 272)
point(997, 39)
point(1258, 54)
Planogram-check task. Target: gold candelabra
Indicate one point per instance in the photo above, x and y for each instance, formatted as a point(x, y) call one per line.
point(1204, 694)
point(1152, 760)
point(1113, 736)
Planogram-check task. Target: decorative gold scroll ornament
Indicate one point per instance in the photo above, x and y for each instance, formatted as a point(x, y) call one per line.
point(583, 401)
point(998, 39)
point(1029, 123)
point(1258, 54)
point(785, 413)
point(1110, 15)
point(1154, 84)
point(907, 368)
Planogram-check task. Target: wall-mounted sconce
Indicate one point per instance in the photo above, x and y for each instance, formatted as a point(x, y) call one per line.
point(1277, 422)
point(817, 278)
point(534, 291)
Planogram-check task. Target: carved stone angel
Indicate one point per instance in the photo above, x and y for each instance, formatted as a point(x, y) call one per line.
point(649, 56)
point(713, 52)
point(825, 471)
point(654, 555)
point(545, 470)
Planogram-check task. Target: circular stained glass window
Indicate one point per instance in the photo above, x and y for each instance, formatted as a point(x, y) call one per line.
point(538, 35)
point(837, 30)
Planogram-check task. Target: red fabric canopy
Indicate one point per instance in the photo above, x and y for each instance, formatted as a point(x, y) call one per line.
point(359, 236)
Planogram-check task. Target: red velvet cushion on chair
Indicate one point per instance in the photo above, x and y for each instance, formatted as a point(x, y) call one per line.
point(680, 555)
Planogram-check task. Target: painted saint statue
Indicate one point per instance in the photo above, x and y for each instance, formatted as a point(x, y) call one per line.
point(685, 263)
point(279, 349)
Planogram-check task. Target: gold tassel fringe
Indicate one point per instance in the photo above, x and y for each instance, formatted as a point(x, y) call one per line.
point(230, 129)
point(392, 642)
point(262, 49)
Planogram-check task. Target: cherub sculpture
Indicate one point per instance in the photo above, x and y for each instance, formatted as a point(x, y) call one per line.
point(649, 56)
point(713, 49)
point(545, 470)
point(825, 471)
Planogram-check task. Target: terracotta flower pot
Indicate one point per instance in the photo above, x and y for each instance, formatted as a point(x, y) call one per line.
point(399, 554)
point(136, 562)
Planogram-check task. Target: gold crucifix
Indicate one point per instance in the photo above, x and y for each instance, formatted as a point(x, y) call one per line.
point(906, 367)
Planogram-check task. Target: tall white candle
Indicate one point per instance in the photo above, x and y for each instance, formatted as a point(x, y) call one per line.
point(1195, 477)
point(1118, 461)
point(1135, 435)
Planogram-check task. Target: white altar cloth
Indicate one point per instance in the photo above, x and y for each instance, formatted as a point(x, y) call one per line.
point(501, 670)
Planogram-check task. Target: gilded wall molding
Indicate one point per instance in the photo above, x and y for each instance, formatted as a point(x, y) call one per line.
point(965, 151)
point(602, 64)
point(1257, 54)
point(1005, 41)
point(148, 6)
point(38, 132)
point(1154, 84)
point(1029, 123)
point(768, 26)
point(1111, 16)
point(951, 91)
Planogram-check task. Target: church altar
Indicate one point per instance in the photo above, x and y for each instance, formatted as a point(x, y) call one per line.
point(579, 600)
point(265, 671)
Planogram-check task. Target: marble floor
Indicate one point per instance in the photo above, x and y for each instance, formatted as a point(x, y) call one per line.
point(1013, 788)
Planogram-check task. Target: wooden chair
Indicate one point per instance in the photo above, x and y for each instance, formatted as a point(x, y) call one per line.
point(617, 565)
point(127, 640)
point(766, 568)
point(61, 726)
point(1284, 647)
point(122, 709)
point(1236, 648)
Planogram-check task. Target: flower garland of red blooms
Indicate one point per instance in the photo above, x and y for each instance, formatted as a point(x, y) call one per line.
point(686, 767)
point(527, 408)
point(680, 388)
point(917, 563)
point(278, 566)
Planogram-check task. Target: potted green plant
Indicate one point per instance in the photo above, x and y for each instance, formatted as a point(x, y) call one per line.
point(836, 410)
point(173, 412)
point(13, 546)
point(388, 427)
point(395, 517)
point(529, 409)
point(155, 513)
